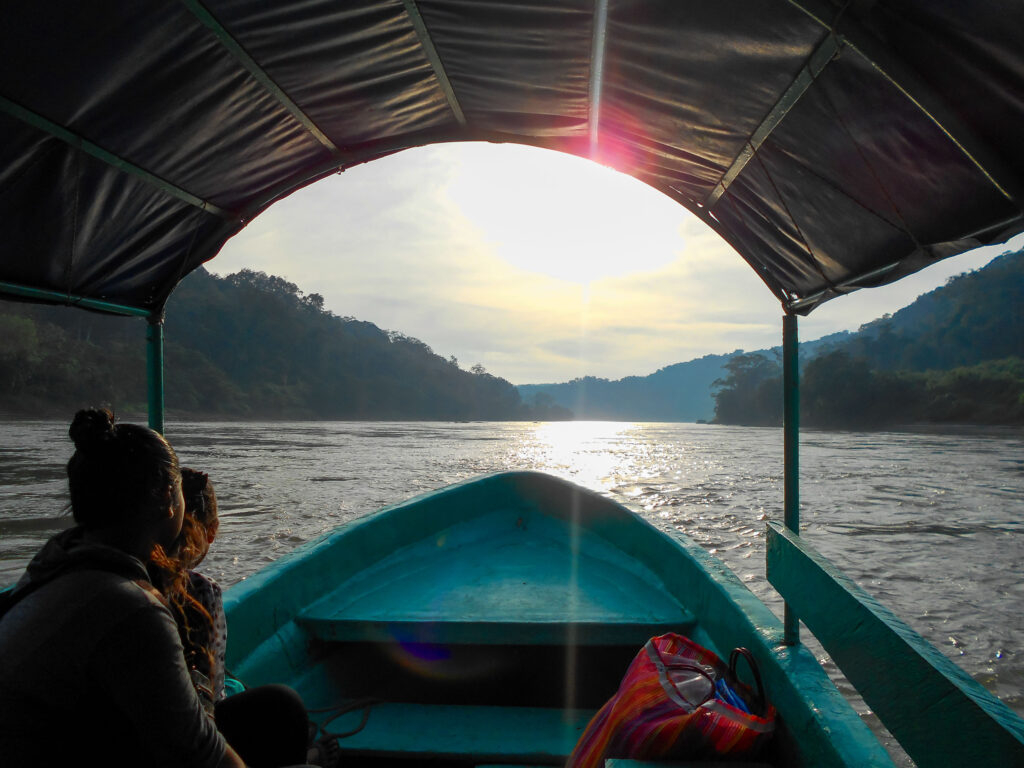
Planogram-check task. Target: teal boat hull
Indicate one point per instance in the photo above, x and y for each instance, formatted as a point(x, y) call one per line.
point(489, 620)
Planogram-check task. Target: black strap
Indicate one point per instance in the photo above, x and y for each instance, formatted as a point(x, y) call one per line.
point(752, 663)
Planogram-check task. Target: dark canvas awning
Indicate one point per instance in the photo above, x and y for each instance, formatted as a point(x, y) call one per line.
point(833, 144)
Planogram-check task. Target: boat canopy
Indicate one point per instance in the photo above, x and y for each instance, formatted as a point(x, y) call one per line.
point(835, 144)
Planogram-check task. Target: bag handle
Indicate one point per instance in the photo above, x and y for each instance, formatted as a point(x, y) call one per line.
point(752, 663)
point(668, 684)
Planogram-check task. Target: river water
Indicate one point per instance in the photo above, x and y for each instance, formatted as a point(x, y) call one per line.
point(932, 524)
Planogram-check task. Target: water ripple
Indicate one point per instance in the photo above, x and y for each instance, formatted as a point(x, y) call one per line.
point(928, 523)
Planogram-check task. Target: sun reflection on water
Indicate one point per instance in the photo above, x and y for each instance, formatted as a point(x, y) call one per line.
point(591, 453)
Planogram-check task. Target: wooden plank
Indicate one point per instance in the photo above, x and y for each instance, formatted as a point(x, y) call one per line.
point(938, 713)
point(614, 631)
point(483, 734)
point(509, 576)
point(623, 763)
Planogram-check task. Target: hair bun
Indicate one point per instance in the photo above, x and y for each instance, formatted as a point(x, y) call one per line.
point(91, 427)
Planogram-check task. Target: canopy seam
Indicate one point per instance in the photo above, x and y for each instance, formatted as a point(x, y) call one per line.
point(181, 267)
point(711, 221)
point(871, 169)
point(825, 180)
point(814, 263)
point(68, 270)
point(881, 57)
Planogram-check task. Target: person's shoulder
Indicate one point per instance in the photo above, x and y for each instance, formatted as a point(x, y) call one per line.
point(200, 583)
point(122, 594)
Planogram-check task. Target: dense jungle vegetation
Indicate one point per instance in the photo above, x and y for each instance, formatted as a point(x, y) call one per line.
point(251, 345)
point(248, 345)
point(956, 355)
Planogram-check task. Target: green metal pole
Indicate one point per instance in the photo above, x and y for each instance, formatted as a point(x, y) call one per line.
point(155, 372)
point(791, 449)
point(154, 336)
point(67, 299)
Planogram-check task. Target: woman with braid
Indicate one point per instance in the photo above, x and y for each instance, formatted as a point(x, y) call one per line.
point(195, 598)
point(259, 721)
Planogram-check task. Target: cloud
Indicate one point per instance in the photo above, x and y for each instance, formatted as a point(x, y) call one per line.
point(539, 266)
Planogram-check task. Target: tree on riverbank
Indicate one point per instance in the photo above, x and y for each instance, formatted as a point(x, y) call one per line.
point(956, 355)
point(751, 393)
point(249, 345)
point(839, 391)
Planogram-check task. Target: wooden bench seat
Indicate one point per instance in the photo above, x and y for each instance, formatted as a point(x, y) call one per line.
point(527, 735)
point(612, 630)
point(511, 578)
point(623, 763)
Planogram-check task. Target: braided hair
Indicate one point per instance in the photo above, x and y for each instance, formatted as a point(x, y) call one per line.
point(169, 571)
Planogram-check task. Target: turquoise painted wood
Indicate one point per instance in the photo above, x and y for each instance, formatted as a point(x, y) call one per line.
point(155, 373)
point(791, 447)
point(937, 712)
point(510, 576)
point(486, 733)
point(620, 763)
point(525, 561)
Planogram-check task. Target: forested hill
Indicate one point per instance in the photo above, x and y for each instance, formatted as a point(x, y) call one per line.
point(254, 346)
point(245, 346)
point(956, 355)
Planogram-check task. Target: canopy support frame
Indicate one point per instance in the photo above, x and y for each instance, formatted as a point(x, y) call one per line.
point(69, 299)
point(155, 372)
point(115, 161)
point(791, 451)
point(226, 39)
point(819, 59)
point(889, 65)
point(154, 336)
point(427, 44)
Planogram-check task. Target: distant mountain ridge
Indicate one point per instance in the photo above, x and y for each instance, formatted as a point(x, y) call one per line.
point(680, 392)
point(975, 317)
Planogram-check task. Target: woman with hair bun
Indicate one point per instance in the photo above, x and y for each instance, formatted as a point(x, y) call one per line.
point(92, 665)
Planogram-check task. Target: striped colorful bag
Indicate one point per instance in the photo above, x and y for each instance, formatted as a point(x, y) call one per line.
point(678, 700)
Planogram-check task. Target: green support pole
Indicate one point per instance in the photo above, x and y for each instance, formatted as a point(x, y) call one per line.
point(154, 336)
point(155, 372)
point(70, 300)
point(791, 449)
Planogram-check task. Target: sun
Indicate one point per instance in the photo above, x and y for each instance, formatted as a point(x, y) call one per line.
point(565, 217)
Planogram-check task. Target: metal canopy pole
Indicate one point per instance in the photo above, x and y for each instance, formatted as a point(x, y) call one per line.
point(155, 372)
point(154, 336)
point(70, 300)
point(791, 449)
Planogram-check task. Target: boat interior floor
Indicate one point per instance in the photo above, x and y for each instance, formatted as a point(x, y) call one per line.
point(411, 704)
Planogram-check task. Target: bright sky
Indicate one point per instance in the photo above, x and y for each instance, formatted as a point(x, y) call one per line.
point(539, 266)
